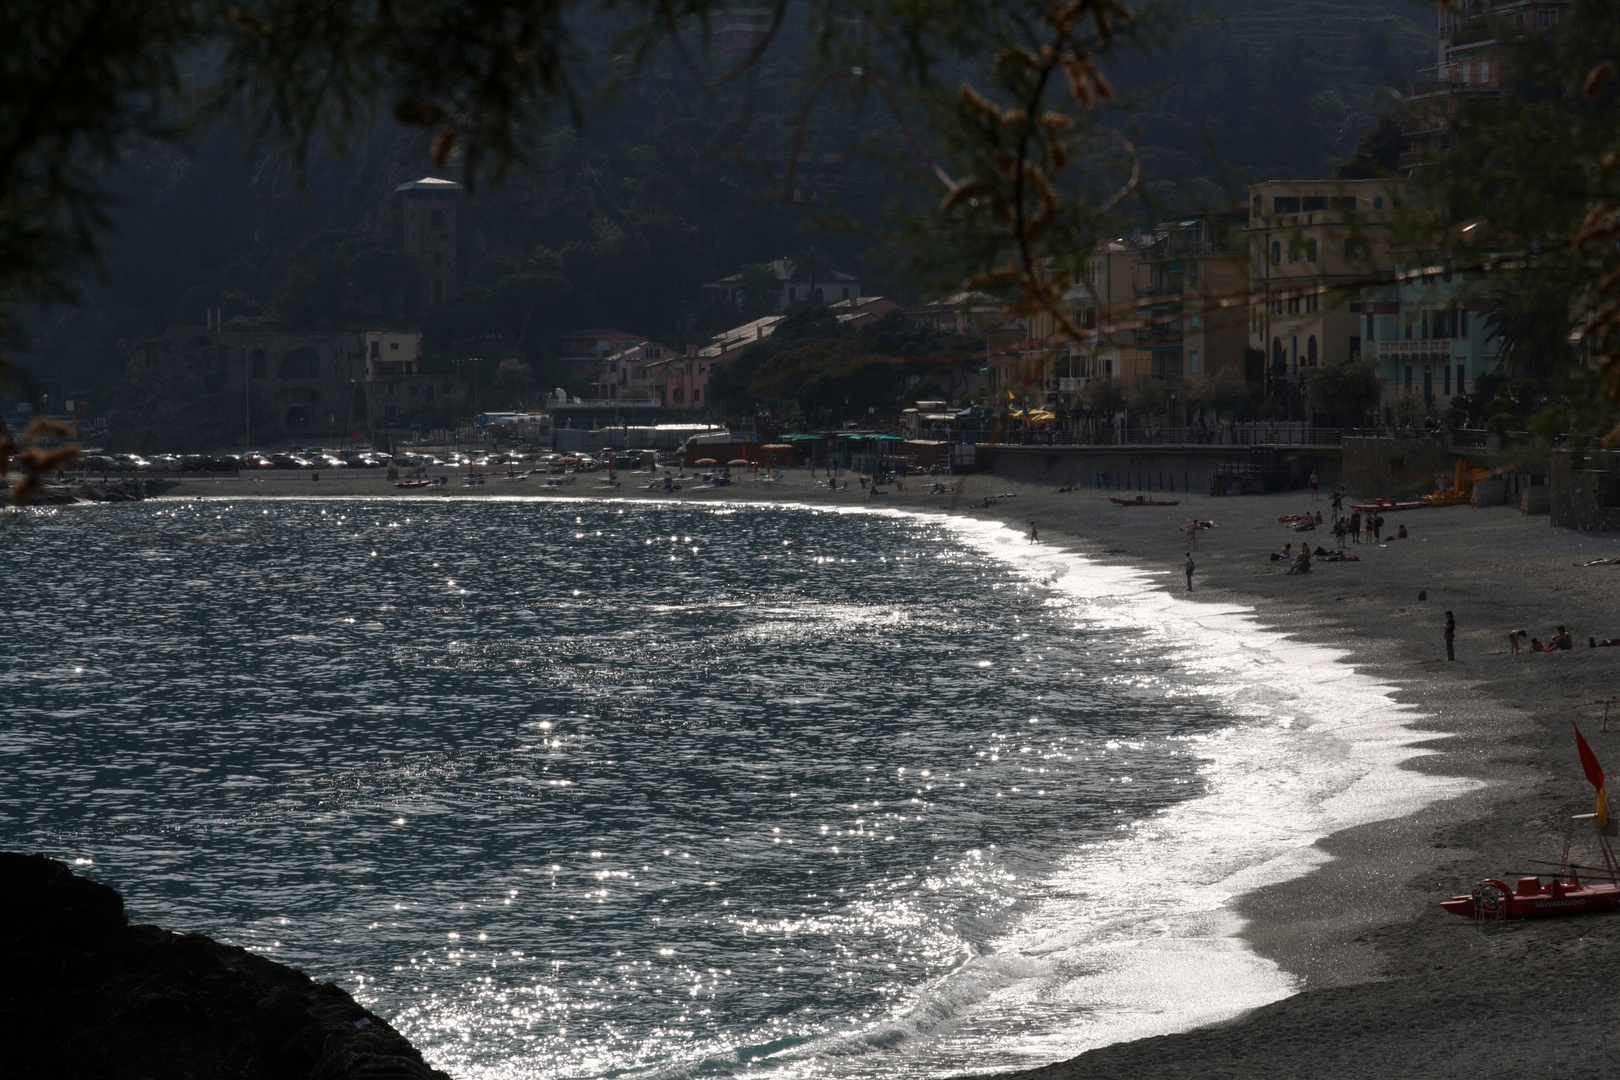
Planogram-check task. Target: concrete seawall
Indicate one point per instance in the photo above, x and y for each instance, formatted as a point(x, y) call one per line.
point(1160, 468)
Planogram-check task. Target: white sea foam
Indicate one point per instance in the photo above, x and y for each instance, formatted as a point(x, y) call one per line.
point(1138, 936)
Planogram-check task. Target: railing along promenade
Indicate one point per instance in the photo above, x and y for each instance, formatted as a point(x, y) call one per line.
point(1257, 434)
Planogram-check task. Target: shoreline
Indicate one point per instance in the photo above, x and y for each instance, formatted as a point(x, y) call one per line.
point(1387, 980)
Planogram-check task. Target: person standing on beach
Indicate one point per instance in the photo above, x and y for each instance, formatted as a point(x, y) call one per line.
point(1189, 571)
point(1377, 527)
point(1034, 534)
point(1338, 502)
point(1315, 494)
point(1355, 526)
point(1451, 637)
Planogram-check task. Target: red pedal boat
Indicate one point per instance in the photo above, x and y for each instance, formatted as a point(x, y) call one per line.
point(1565, 894)
point(1141, 500)
point(1387, 507)
point(1531, 899)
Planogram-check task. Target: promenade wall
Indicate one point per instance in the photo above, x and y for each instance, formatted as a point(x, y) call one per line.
point(1157, 468)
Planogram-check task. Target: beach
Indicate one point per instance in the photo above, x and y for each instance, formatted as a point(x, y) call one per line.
point(1389, 983)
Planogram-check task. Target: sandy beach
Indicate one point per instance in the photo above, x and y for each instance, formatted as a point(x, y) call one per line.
point(1391, 985)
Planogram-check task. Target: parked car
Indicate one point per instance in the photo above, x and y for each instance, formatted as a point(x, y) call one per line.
point(256, 460)
point(291, 461)
point(330, 461)
point(101, 463)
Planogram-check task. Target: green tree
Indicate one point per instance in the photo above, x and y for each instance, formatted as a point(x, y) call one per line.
point(514, 384)
point(1344, 394)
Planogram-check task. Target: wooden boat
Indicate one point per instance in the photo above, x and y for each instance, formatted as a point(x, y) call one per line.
point(414, 484)
point(1142, 500)
point(1565, 894)
point(1384, 507)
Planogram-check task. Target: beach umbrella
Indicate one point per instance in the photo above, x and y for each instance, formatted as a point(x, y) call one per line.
point(707, 461)
point(776, 446)
point(738, 462)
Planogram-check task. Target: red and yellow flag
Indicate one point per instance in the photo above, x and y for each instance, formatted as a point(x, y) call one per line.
point(1594, 776)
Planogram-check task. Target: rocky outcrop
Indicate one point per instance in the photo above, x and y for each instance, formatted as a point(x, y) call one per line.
point(83, 994)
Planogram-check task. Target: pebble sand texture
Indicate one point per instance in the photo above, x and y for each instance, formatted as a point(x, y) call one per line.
point(1391, 985)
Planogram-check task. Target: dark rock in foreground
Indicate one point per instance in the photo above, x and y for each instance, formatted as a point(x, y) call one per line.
point(84, 994)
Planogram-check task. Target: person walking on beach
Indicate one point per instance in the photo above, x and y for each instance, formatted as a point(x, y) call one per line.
point(1451, 637)
point(1338, 502)
point(1190, 569)
point(1034, 534)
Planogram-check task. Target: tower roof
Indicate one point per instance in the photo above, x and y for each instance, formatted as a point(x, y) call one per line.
point(431, 184)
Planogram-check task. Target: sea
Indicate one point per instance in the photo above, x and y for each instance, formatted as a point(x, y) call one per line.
point(587, 789)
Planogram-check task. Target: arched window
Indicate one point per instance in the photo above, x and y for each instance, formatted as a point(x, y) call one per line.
point(1276, 251)
point(1310, 351)
point(300, 364)
point(297, 418)
point(1277, 360)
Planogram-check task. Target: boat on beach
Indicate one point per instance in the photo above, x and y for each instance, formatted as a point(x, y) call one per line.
point(1142, 500)
point(1566, 893)
point(1382, 507)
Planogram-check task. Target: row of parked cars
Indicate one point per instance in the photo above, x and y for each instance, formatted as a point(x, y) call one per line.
point(317, 459)
point(313, 459)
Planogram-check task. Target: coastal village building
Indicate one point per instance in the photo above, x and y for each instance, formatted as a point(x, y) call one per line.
point(624, 374)
point(1467, 64)
point(582, 350)
point(430, 237)
point(784, 283)
point(1313, 244)
point(1191, 287)
point(1429, 336)
point(193, 387)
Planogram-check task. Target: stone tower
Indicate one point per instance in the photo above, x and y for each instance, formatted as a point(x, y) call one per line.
point(430, 237)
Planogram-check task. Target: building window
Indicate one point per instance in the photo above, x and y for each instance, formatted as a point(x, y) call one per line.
point(697, 394)
point(1276, 251)
point(1310, 351)
point(1408, 378)
point(1446, 371)
point(1378, 202)
point(1293, 305)
point(1285, 204)
point(300, 364)
point(1192, 362)
point(1310, 250)
point(1461, 371)
point(1355, 346)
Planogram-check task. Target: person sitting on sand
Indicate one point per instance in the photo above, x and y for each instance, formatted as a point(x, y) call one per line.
point(1402, 534)
point(1536, 645)
point(1301, 563)
point(1066, 487)
point(1562, 641)
point(1286, 553)
point(1318, 517)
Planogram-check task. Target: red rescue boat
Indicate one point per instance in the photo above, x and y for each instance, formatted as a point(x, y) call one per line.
point(1142, 500)
point(1531, 899)
point(1388, 507)
point(1565, 894)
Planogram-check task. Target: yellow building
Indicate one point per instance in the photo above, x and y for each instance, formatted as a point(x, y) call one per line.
point(1312, 245)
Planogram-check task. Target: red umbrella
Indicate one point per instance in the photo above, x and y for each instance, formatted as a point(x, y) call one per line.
point(707, 461)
